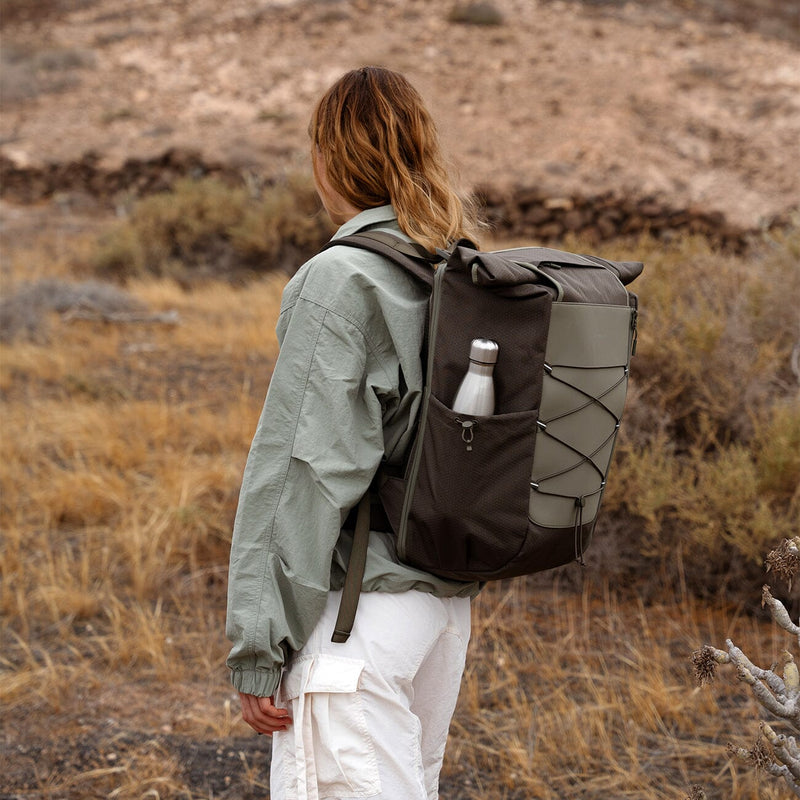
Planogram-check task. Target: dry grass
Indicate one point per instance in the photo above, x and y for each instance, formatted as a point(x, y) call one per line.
point(589, 695)
point(121, 454)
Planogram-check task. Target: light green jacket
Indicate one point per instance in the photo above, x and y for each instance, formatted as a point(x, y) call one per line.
point(344, 396)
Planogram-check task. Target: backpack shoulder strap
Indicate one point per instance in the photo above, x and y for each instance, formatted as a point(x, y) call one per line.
point(354, 575)
point(412, 257)
point(416, 260)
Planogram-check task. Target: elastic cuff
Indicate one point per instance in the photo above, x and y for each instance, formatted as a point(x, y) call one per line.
point(261, 683)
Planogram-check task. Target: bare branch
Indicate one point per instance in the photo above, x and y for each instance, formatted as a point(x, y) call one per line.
point(785, 750)
point(775, 753)
point(762, 758)
point(752, 675)
point(779, 612)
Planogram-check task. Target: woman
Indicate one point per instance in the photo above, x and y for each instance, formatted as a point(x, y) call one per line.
point(367, 718)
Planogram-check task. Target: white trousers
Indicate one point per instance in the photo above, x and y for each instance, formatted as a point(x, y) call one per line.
point(371, 716)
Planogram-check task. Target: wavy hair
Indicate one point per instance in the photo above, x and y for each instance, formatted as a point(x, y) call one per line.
point(379, 145)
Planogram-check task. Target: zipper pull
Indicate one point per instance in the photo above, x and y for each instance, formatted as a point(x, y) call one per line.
point(467, 432)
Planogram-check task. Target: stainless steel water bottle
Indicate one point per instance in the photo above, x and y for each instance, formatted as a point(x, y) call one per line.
point(475, 395)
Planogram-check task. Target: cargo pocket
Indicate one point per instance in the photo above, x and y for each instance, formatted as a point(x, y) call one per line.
point(332, 751)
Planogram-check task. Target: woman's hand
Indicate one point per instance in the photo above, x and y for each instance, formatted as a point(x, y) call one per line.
point(262, 716)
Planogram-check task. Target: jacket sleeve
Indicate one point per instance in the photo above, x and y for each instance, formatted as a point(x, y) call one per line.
point(316, 448)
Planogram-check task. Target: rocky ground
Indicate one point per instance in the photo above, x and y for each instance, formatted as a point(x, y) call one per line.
point(696, 102)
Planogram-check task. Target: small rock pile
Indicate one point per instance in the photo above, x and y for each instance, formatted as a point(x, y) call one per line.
point(519, 213)
point(527, 213)
point(28, 184)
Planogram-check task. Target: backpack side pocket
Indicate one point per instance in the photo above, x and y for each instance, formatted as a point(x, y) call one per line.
point(466, 510)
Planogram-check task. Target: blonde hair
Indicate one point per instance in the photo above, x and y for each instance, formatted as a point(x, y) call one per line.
point(379, 145)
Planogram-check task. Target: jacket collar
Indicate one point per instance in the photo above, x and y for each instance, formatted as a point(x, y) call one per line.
point(366, 219)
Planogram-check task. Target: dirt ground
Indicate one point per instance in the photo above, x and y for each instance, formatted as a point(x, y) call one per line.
point(123, 742)
point(696, 101)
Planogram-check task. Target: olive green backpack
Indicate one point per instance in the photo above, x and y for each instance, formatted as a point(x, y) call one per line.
point(517, 492)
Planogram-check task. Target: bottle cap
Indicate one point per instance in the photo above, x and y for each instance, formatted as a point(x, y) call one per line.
point(484, 351)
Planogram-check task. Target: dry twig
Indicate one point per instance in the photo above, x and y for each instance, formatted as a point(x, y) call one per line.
point(775, 753)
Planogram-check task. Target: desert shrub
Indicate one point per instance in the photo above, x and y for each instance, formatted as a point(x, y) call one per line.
point(708, 464)
point(477, 13)
point(716, 338)
point(27, 72)
point(209, 229)
point(775, 750)
point(776, 449)
point(24, 312)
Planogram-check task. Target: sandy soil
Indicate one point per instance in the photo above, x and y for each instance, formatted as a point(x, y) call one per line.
point(697, 102)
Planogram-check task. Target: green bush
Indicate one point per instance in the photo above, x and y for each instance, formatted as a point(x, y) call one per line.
point(209, 229)
point(707, 472)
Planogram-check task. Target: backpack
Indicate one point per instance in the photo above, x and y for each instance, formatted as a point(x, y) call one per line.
point(517, 492)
